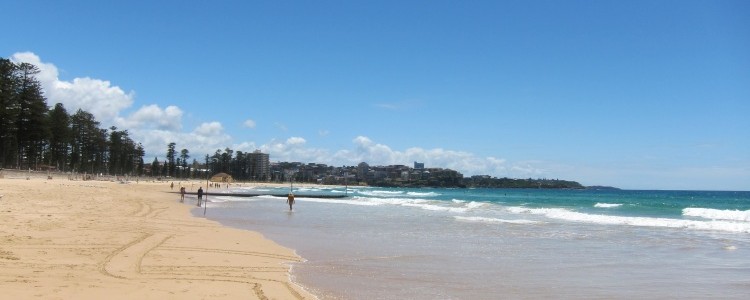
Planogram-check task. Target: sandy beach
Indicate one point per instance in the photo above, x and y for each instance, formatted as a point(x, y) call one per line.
point(63, 239)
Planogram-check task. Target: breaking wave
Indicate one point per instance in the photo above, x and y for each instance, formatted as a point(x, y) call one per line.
point(568, 215)
point(717, 214)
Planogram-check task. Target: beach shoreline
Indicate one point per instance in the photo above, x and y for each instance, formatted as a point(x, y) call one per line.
point(69, 239)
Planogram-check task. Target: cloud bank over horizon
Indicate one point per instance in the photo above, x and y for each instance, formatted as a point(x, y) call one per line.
point(155, 127)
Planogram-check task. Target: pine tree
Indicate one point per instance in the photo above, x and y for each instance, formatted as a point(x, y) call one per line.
point(84, 128)
point(60, 137)
point(155, 168)
point(184, 155)
point(171, 155)
point(31, 121)
point(9, 110)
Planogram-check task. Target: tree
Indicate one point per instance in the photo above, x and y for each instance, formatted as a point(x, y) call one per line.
point(9, 110)
point(184, 155)
point(84, 128)
point(116, 150)
point(124, 154)
point(31, 134)
point(31, 121)
point(215, 162)
point(171, 155)
point(139, 153)
point(155, 168)
point(60, 137)
point(226, 160)
point(101, 151)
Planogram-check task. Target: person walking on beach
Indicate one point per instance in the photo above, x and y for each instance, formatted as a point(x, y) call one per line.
point(182, 194)
point(171, 186)
point(200, 195)
point(290, 200)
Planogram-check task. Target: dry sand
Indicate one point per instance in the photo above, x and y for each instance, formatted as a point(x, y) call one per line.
point(62, 239)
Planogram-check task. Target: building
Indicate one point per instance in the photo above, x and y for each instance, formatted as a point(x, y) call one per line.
point(418, 165)
point(260, 166)
point(362, 170)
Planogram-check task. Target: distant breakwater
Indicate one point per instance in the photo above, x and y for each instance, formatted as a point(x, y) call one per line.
point(266, 194)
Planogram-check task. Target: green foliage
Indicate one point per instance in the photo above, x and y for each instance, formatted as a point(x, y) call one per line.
point(60, 137)
point(31, 120)
point(9, 111)
point(34, 137)
point(171, 155)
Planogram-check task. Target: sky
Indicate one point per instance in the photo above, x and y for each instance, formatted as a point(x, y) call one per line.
point(631, 94)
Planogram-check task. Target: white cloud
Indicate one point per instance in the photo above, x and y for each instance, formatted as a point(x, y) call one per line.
point(293, 149)
point(249, 123)
point(365, 150)
point(245, 147)
point(296, 141)
point(153, 116)
point(151, 125)
point(98, 97)
point(209, 129)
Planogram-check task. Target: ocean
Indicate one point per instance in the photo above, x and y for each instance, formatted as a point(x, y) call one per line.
point(386, 243)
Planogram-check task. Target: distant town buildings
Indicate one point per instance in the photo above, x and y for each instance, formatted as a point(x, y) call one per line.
point(364, 174)
point(256, 166)
point(259, 166)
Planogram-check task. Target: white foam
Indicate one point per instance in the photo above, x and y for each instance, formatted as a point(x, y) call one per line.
point(717, 214)
point(475, 205)
point(431, 205)
point(493, 220)
point(427, 194)
point(381, 193)
point(337, 201)
point(607, 205)
point(568, 215)
point(221, 199)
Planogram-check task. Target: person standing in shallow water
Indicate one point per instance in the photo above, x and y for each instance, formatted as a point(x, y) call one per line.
point(200, 195)
point(290, 200)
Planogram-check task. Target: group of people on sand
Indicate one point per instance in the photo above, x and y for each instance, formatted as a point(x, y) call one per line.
point(289, 197)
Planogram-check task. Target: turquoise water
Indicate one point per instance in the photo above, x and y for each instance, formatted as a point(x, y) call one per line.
point(493, 243)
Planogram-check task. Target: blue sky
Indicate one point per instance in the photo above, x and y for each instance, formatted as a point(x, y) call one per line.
point(634, 94)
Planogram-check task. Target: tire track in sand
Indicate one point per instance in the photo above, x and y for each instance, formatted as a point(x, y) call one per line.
point(125, 262)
